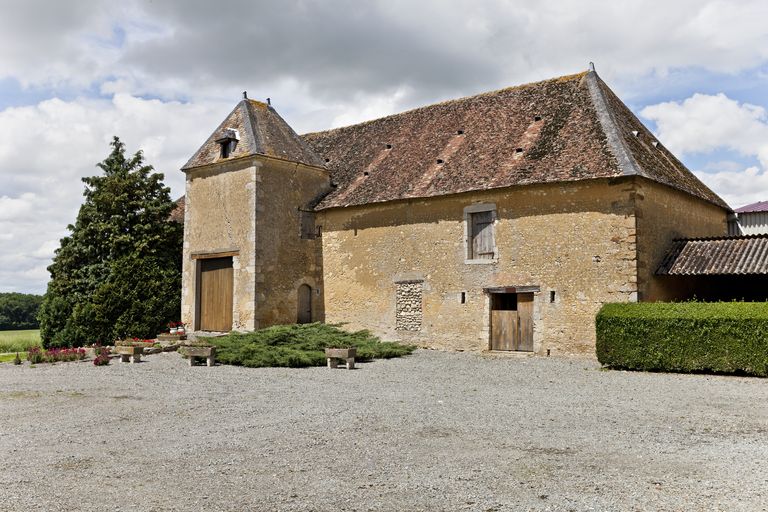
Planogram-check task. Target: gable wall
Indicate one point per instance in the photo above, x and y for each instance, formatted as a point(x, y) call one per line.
point(577, 239)
point(664, 214)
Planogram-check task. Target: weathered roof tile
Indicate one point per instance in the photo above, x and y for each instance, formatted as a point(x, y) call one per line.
point(565, 129)
point(262, 132)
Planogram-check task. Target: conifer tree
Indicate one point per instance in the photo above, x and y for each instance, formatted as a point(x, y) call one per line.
point(118, 272)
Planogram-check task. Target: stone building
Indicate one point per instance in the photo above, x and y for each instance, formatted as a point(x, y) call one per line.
point(500, 221)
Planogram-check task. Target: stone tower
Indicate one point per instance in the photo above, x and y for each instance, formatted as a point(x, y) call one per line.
point(252, 254)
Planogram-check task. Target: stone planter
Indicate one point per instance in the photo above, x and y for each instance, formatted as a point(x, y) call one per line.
point(171, 337)
point(194, 353)
point(128, 352)
point(347, 355)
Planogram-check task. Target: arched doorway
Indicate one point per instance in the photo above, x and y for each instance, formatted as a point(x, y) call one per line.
point(305, 305)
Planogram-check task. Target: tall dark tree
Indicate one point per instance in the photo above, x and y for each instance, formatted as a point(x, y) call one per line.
point(118, 273)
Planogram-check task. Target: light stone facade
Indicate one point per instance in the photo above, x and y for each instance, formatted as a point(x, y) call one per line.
point(576, 243)
point(250, 208)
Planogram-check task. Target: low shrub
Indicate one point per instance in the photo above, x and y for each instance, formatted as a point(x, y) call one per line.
point(102, 356)
point(300, 346)
point(720, 337)
point(36, 355)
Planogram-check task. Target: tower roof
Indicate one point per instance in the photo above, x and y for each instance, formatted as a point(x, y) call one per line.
point(259, 130)
point(570, 128)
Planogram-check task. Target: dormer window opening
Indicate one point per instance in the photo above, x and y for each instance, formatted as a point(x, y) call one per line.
point(228, 142)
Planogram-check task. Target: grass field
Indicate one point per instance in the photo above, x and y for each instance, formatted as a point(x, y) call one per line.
point(19, 341)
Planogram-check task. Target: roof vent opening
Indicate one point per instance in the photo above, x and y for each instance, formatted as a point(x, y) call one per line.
point(519, 150)
point(459, 132)
point(537, 118)
point(327, 160)
point(635, 133)
point(365, 173)
point(439, 160)
point(389, 146)
point(655, 143)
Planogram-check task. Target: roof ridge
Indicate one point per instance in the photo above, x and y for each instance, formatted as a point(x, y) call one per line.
point(251, 126)
point(616, 144)
point(573, 76)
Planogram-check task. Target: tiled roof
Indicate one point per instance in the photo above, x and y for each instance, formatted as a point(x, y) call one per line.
point(261, 131)
point(565, 129)
point(177, 214)
point(716, 256)
point(760, 206)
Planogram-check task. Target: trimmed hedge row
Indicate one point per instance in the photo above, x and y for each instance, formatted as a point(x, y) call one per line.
point(722, 337)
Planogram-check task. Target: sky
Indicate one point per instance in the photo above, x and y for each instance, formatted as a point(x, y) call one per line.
point(161, 75)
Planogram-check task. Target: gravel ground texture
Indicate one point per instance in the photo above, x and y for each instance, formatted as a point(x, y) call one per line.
point(432, 431)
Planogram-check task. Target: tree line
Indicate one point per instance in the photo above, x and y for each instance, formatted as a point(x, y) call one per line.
point(18, 311)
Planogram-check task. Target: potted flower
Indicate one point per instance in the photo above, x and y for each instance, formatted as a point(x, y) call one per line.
point(180, 328)
point(173, 328)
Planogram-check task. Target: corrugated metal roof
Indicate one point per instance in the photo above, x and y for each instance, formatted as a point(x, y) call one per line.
point(760, 206)
point(737, 255)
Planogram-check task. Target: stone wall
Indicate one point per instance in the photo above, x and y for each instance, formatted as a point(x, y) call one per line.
point(664, 214)
point(219, 218)
point(285, 260)
point(408, 306)
point(252, 207)
point(575, 242)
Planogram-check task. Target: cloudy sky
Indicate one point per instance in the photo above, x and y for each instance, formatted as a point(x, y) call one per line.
point(162, 74)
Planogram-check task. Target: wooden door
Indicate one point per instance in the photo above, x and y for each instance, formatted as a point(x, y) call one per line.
point(305, 305)
point(215, 294)
point(504, 330)
point(512, 322)
point(525, 313)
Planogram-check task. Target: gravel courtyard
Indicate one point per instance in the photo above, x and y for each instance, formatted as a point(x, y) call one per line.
point(432, 431)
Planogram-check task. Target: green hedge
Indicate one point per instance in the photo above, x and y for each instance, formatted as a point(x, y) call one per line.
point(722, 337)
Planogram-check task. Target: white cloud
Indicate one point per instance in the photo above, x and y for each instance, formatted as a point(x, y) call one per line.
point(327, 64)
point(738, 187)
point(47, 148)
point(704, 124)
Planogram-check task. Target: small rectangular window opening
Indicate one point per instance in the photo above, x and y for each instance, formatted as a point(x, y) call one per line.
point(308, 229)
point(463, 297)
point(552, 296)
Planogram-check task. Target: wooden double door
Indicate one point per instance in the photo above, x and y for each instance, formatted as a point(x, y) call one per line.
point(215, 290)
point(512, 321)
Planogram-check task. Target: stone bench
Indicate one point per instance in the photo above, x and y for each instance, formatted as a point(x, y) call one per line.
point(334, 355)
point(194, 353)
point(128, 352)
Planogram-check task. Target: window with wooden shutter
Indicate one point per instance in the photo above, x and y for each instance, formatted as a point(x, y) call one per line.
point(482, 243)
point(308, 231)
point(480, 234)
